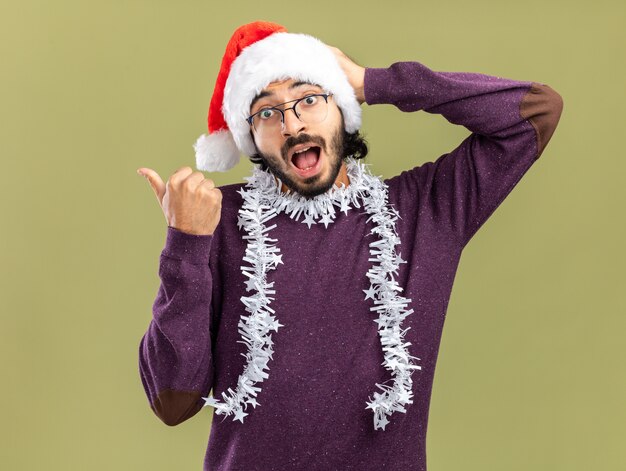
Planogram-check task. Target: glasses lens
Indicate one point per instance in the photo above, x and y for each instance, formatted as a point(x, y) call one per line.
point(312, 109)
point(266, 120)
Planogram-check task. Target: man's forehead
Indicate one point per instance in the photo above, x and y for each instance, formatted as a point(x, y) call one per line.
point(278, 83)
point(289, 82)
point(273, 87)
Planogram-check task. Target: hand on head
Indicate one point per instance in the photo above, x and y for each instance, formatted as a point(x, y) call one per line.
point(354, 72)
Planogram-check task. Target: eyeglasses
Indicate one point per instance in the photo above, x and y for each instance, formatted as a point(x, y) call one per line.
point(310, 109)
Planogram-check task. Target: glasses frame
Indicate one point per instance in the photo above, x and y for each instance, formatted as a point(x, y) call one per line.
point(292, 108)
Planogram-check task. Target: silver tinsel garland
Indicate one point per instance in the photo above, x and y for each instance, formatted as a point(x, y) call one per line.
point(263, 200)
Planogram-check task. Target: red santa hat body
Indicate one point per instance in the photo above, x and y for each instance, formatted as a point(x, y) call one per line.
point(258, 54)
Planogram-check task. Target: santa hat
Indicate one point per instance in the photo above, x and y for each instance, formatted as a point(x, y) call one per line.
point(258, 54)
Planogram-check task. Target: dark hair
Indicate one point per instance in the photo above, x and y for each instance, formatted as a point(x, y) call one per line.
point(354, 145)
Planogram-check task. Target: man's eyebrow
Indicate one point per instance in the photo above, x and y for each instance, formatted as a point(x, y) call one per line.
point(264, 94)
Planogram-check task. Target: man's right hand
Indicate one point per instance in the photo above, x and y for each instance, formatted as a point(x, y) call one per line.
point(190, 202)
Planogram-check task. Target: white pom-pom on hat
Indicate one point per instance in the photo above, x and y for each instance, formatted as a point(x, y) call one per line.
point(216, 152)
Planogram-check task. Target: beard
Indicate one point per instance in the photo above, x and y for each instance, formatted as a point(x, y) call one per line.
point(317, 184)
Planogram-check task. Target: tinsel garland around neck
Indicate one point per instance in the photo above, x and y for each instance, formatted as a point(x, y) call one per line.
point(263, 200)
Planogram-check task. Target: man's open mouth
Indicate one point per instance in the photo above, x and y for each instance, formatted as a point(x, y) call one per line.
point(306, 158)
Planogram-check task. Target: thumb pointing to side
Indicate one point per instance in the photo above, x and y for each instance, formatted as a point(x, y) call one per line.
point(155, 182)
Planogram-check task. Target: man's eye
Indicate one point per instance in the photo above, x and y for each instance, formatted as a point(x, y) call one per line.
point(310, 100)
point(266, 114)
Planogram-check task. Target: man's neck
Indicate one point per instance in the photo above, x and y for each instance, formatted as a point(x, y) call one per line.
point(342, 177)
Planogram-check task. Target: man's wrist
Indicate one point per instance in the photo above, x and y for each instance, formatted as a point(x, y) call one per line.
point(360, 89)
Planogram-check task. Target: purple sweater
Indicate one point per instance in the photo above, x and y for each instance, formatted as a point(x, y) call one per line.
point(327, 357)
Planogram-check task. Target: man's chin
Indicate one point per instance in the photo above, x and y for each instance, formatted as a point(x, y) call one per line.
point(311, 191)
point(309, 187)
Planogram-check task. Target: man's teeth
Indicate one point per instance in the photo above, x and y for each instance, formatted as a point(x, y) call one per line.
point(303, 150)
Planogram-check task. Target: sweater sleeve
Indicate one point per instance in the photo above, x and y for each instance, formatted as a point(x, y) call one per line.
point(175, 359)
point(510, 121)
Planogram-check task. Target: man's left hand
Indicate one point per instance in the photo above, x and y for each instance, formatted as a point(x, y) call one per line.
point(354, 72)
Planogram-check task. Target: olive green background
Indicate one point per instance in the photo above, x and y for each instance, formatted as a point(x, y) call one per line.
point(531, 366)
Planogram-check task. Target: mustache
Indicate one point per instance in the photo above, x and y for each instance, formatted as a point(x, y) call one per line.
point(301, 139)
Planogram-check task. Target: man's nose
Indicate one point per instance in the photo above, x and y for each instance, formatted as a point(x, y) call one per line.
point(292, 126)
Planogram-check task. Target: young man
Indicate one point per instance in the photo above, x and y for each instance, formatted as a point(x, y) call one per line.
point(311, 300)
